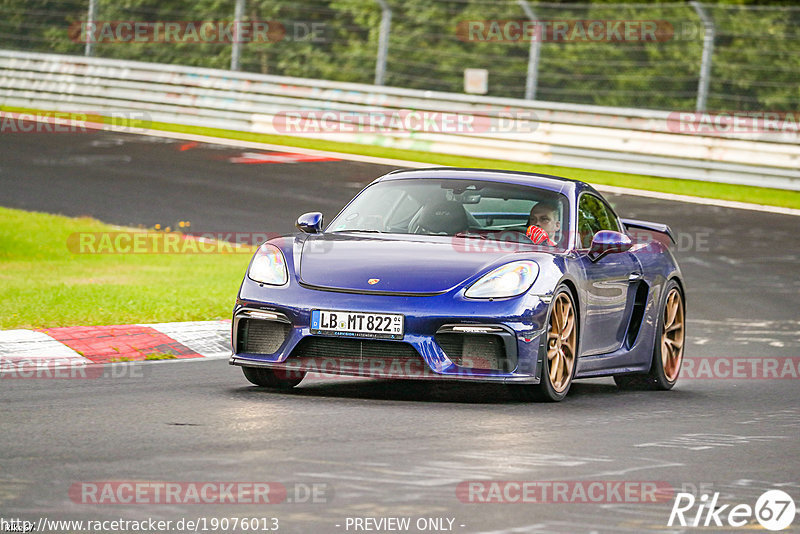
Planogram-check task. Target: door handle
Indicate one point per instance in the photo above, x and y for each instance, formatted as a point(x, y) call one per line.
point(634, 276)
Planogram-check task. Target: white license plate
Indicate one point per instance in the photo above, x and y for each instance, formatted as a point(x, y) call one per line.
point(357, 324)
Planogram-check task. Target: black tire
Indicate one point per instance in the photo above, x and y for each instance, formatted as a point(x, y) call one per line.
point(273, 378)
point(663, 376)
point(550, 389)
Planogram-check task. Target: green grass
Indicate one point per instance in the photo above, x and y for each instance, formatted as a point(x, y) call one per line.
point(45, 284)
point(158, 356)
point(740, 193)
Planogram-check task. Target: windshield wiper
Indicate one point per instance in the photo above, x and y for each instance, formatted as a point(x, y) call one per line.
point(361, 230)
point(471, 235)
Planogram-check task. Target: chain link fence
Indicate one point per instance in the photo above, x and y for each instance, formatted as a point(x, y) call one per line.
point(673, 56)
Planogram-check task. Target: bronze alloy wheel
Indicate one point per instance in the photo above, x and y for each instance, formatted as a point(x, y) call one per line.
point(669, 340)
point(561, 342)
point(672, 335)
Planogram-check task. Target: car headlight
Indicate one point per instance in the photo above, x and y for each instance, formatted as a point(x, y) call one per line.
point(510, 280)
point(268, 266)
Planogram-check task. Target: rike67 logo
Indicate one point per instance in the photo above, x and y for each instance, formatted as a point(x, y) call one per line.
point(774, 510)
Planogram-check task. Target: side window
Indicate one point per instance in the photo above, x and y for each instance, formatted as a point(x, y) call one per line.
point(593, 215)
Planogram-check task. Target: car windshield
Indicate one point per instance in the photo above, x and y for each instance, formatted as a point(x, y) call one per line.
point(463, 208)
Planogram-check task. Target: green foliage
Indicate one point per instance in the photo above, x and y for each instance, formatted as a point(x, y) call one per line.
point(755, 63)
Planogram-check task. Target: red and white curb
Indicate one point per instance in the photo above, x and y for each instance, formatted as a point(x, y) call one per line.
point(87, 345)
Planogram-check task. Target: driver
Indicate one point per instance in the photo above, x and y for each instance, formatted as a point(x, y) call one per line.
point(543, 216)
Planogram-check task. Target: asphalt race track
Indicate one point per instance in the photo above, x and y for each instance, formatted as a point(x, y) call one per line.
point(381, 449)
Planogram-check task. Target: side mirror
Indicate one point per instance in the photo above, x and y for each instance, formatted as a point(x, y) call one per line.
point(310, 223)
point(608, 242)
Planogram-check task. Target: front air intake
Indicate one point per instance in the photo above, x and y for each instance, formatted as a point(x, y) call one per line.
point(365, 357)
point(255, 336)
point(475, 351)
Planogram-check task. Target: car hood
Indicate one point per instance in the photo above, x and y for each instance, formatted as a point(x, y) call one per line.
point(406, 264)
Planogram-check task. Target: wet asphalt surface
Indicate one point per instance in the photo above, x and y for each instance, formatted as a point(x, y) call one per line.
point(376, 448)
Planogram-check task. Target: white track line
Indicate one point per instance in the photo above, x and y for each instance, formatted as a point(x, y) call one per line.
point(698, 200)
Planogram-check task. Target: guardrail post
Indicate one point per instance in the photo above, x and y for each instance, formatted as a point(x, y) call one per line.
point(708, 51)
point(236, 49)
point(532, 77)
point(383, 42)
point(91, 17)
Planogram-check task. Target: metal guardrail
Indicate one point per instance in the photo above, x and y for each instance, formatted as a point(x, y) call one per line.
point(614, 139)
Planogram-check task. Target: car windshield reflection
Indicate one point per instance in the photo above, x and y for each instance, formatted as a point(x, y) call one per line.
point(468, 209)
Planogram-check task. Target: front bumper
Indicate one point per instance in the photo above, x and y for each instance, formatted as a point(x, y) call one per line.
point(447, 337)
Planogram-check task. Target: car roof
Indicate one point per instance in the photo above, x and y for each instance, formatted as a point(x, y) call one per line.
point(549, 182)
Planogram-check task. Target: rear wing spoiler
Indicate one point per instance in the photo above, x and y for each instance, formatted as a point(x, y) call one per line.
point(649, 226)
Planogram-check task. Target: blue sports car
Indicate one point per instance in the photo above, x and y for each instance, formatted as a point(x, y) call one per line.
point(466, 274)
